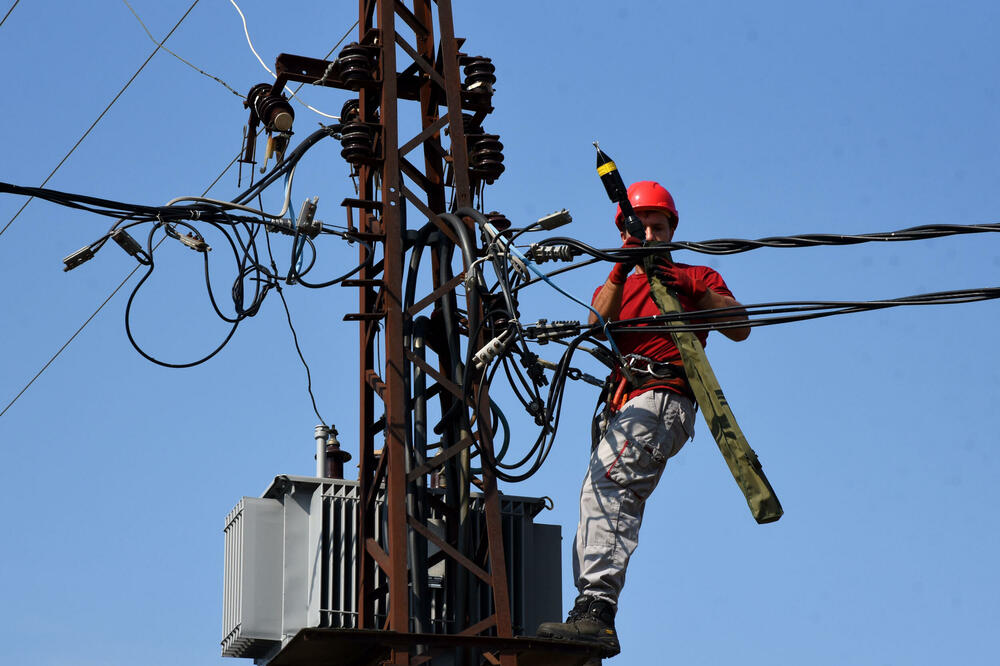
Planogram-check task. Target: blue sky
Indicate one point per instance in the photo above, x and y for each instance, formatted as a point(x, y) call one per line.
point(877, 430)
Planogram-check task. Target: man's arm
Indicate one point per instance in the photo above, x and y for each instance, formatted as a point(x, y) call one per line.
point(608, 302)
point(712, 300)
point(706, 298)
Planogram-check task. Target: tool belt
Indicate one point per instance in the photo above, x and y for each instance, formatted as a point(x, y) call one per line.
point(652, 369)
point(648, 373)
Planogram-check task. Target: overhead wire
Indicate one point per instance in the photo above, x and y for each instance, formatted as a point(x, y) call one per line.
point(720, 246)
point(792, 311)
point(102, 114)
point(4, 19)
point(509, 282)
point(246, 31)
point(101, 306)
point(189, 64)
point(295, 335)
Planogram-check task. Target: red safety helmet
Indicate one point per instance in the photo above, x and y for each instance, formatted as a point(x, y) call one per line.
point(649, 195)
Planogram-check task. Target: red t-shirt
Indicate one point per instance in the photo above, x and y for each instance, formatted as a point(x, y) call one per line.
point(637, 302)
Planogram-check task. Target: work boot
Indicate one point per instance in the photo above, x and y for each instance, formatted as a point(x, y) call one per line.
point(591, 620)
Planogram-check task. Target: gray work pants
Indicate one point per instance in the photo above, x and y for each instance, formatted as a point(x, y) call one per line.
point(624, 469)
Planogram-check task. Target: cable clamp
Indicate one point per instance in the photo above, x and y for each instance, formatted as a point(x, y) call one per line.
point(194, 242)
point(307, 224)
point(83, 255)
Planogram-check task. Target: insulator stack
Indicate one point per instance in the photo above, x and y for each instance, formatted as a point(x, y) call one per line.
point(271, 108)
point(356, 64)
point(357, 142)
point(351, 111)
point(479, 75)
point(498, 220)
point(485, 151)
point(485, 156)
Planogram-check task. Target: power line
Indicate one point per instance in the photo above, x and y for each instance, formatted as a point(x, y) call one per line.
point(4, 19)
point(189, 64)
point(294, 94)
point(106, 109)
point(105, 302)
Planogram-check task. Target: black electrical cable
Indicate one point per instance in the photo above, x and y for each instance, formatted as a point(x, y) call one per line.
point(721, 246)
point(295, 336)
point(128, 310)
point(4, 19)
point(788, 311)
point(102, 114)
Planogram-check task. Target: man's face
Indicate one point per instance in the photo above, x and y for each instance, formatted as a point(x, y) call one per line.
point(658, 225)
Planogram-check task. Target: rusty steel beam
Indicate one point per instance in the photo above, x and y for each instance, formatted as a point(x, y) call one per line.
point(432, 80)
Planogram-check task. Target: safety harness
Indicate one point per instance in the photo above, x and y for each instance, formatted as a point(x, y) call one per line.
point(647, 373)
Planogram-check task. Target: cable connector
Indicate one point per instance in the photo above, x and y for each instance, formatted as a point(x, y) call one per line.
point(84, 254)
point(194, 242)
point(543, 330)
point(307, 224)
point(555, 220)
point(490, 351)
point(534, 369)
point(573, 373)
point(126, 242)
point(543, 253)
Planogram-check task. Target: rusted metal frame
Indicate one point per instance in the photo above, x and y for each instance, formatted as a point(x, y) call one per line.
point(366, 403)
point(371, 493)
point(375, 382)
point(414, 174)
point(419, 60)
point(379, 555)
point(442, 506)
point(436, 294)
point(464, 198)
point(491, 506)
point(480, 626)
point(395, 393)
point(452, 552)
point(494, 532)
point(453, 94)
point(428, 131)
point(488, 656)
point(419, 28)
point(438, 376)
point(440, 458)
point(367, 18)
point(376, 481)
point(431, 215)
point(302, 69)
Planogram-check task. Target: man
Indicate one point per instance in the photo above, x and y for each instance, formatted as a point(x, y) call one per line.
point(652, 417)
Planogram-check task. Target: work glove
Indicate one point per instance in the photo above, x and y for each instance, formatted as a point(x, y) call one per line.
point(621, 271)
point(680, 280)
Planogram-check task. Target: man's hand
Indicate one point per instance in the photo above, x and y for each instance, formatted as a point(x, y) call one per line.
point(621, 271)
point(680, 280)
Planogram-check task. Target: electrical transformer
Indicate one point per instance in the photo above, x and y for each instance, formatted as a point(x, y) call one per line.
point(291, 564)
